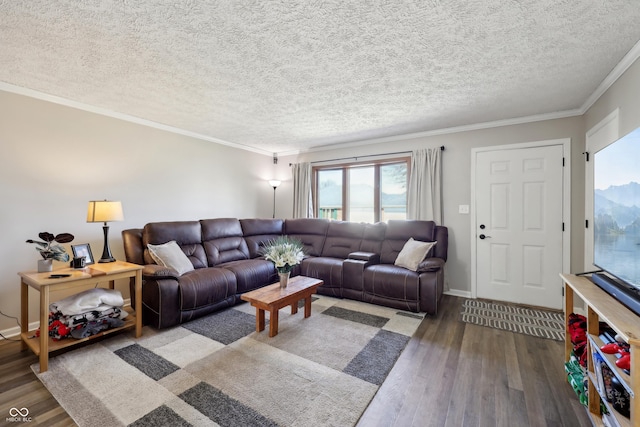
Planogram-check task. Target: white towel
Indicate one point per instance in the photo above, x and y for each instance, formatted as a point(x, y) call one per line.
point(87, 300)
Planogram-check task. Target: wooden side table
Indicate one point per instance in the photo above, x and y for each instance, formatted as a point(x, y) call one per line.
point(81, 279)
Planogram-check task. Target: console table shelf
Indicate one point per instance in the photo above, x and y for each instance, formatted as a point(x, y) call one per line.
point(602, 307)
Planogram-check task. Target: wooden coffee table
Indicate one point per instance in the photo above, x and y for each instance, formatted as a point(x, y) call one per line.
point(273, 298)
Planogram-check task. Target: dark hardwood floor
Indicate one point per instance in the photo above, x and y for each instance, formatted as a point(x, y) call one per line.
point(450, 374)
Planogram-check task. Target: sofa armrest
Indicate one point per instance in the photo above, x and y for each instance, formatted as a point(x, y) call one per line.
point(154, 271)
point(430, 265)
point(370, 257)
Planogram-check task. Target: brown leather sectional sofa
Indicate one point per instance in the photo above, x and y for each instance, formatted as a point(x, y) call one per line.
point(355, 260)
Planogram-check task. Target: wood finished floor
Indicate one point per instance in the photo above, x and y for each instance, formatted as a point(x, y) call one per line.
point(450, 374)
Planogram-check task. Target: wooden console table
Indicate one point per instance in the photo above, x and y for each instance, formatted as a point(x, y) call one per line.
point(81, 279)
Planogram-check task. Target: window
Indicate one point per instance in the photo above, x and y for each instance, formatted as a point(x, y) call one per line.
point(362, 192)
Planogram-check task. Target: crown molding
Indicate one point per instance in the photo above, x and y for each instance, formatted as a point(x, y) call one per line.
point(612, 77)
point(450, 130)
point(132, 119)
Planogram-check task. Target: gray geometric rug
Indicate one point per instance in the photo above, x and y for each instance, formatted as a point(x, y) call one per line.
point(522, 320)
point(216, 370)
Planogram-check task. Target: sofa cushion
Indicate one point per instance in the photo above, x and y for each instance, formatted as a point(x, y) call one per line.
point(397, 234)
point(342, 239)
point(187, 235)
point(412, 253)
point(326, 269)
point(206, 286)
point(251, 273)
point(223, 241)
point(310, 231)
point(396, 285)
point(373, 237)
point(257, 232)
point(171, 256)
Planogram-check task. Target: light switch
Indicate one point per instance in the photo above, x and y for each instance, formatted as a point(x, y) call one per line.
point(463, 209)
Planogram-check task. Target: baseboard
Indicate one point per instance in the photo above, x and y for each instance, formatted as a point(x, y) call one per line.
point(15, 331)
point(458, 293)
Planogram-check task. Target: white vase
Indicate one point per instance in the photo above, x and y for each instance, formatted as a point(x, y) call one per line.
point(45, 265)
point(284, 279)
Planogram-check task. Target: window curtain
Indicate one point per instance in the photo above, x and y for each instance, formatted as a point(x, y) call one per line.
point(302, 201)
point(424, 197)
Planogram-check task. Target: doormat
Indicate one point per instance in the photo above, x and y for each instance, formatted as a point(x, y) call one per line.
point(521, 320)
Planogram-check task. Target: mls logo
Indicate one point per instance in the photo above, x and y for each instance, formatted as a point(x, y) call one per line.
point(18, 415)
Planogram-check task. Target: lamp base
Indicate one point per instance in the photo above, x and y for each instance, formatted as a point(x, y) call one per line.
point(106, 251)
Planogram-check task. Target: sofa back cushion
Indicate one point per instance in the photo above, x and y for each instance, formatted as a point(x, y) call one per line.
point(187, 235)
point(259, 231)
point(398, 233)
point(442, 237)
point(133, 247)
point(342, 239)
point(223, 241)
point(310, 231)
point(373, 237)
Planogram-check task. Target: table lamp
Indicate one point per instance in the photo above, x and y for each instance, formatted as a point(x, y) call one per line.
point(105, 211)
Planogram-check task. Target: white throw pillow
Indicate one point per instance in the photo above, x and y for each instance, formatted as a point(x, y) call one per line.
point(171, 256)
point(413, 253)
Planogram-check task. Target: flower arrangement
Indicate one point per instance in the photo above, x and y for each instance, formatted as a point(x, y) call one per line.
point(284, 252)
point(49, 247)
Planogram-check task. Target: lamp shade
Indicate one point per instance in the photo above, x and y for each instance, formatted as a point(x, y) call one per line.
point(274, 182)
point(104, 211)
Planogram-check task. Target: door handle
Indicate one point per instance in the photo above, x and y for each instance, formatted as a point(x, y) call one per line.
point(482, 236)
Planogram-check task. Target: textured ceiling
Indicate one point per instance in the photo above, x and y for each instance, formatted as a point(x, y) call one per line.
point(282, 76)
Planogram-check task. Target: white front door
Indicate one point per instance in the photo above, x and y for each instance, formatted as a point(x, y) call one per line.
point(518, 220)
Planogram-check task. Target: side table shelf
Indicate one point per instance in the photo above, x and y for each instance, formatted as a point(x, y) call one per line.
point(602, 307)
point(33, 342)
point(79, 280)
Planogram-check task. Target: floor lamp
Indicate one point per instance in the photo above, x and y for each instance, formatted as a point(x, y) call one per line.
point(274, 183)
point(105, 211)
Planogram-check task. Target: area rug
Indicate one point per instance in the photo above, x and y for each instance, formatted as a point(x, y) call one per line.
point(522, 320)
point(217, 370)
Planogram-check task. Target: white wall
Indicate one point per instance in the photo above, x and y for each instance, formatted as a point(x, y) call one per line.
point(457, 180)
point(54, 159)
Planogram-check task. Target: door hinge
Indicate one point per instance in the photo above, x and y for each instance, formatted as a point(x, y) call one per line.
point(563, 291)
point(563, 226)
point(586, 223)
point(563, 162)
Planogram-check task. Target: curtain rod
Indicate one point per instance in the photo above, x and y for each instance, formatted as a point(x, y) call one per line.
point(368, 155)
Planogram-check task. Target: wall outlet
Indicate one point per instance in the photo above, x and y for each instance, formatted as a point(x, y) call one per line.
point(463, 209)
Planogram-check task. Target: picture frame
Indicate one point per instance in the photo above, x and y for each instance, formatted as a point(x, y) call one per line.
point(83, 250)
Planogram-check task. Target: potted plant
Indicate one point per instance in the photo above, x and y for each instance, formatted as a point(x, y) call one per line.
point(285, 253)
point(51, 249)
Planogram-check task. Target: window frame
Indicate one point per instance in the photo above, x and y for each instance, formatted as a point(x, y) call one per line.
point(344, 167)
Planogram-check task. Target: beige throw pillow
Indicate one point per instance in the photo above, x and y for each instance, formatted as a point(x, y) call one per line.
point(171, 256)
point(412, 254)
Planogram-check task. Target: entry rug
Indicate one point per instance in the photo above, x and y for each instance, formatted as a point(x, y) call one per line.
point(217, 370)
point(522, 320)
